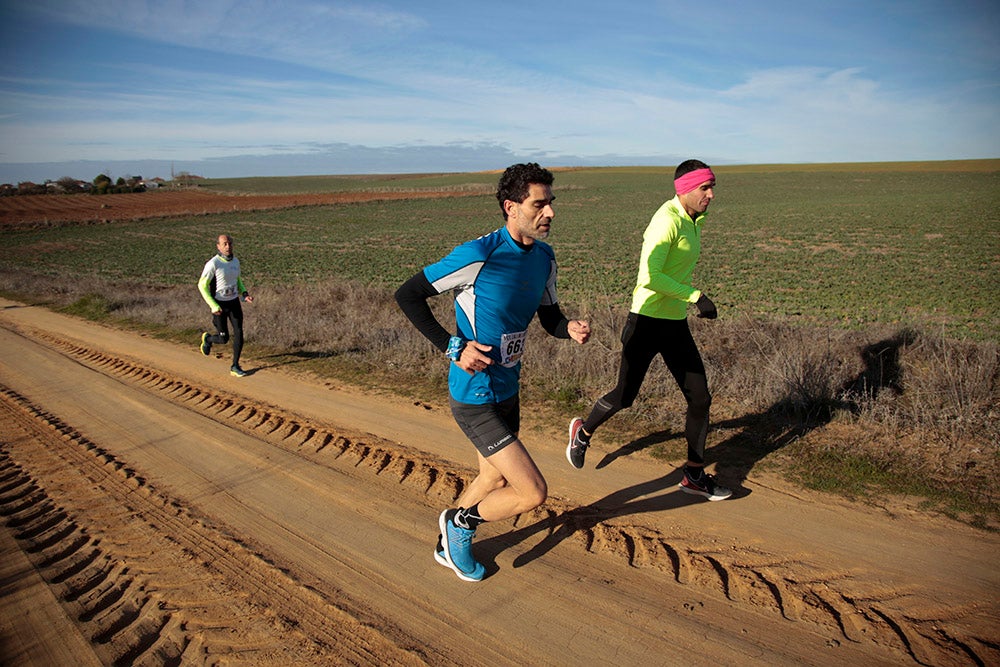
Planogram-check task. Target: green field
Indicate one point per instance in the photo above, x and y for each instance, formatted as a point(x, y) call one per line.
point(863, 297)
point(851, 245)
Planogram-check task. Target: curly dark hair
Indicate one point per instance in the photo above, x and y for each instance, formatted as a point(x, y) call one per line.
point(688, 166)
point(514, 182)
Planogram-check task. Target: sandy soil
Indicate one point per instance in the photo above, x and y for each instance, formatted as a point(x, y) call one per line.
point(157, 511)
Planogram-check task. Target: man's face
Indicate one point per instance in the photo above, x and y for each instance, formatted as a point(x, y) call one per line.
point(225, 246)
point(696, 202)
point(531, 220)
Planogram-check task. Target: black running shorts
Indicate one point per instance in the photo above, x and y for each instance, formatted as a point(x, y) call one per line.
point(491, 426)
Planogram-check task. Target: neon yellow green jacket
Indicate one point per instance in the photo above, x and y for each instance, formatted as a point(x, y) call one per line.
point(671, 245)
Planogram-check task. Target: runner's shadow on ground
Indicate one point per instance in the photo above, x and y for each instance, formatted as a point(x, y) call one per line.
point(761, 434)
point(655, 495)
point(297, 357)
point(638, 445)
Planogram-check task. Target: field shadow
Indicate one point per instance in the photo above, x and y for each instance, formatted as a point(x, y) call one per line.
point(882, 369)
point(793, 417)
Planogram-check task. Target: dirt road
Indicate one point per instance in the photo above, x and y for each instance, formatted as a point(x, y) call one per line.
point(157, 511)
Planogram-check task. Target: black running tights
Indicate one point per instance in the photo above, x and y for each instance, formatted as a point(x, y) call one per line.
point(232, 312)
point(642, 339)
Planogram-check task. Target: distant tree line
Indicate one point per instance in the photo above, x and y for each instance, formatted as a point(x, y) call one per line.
point(101, 185)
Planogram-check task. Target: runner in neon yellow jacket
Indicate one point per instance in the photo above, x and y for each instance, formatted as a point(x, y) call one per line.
point(670, 249)
point(657, 324)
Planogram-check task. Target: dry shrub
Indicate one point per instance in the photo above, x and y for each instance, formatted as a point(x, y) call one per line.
point(943, 418)
point(950, 384)
point(757, 366)
point(909, 401)
point(915, 400)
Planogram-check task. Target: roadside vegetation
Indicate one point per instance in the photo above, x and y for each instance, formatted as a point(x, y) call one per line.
point(856, 349)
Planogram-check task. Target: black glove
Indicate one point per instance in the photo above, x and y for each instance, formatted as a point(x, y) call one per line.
point(706, 308)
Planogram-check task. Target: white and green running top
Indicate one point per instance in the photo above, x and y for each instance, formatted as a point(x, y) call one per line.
point(220, 281)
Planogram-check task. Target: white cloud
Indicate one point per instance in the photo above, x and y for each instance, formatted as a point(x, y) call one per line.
point(295, 31)
point(284, 77)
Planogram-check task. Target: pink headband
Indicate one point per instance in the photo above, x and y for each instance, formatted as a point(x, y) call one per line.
point(692, 179)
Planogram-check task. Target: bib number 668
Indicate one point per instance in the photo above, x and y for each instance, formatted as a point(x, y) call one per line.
point(512, 348)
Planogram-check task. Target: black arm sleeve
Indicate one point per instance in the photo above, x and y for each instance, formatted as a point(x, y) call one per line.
point(412, 299)
point(553, 321)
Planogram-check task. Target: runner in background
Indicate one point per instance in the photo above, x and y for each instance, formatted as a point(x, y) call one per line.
point(222, 288)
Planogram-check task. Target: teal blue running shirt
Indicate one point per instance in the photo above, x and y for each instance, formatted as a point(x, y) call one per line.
point(498, 286)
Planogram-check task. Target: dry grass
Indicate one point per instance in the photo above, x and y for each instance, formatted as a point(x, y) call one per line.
point(909, 408)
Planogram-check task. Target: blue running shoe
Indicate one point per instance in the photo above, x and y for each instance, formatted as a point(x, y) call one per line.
point(206, 345)
point(236, 371)
point(458, 548)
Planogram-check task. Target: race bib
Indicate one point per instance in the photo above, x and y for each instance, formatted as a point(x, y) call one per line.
point(512, 348)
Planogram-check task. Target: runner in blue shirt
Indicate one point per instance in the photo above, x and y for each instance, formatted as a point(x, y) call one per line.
point(500, 281)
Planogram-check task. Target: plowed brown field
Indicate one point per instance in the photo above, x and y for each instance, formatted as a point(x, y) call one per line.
point(34, 210)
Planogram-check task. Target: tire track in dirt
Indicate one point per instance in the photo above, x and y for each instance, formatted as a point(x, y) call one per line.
point(149, 582)
point(787, 585)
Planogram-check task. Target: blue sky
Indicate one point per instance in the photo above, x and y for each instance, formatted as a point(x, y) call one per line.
point(234, 88)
